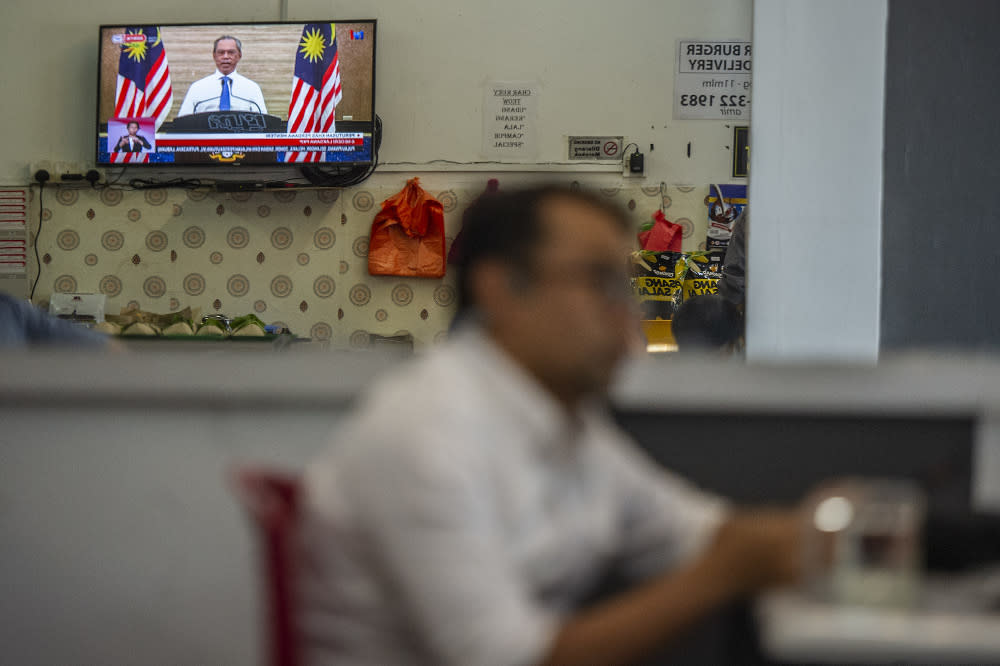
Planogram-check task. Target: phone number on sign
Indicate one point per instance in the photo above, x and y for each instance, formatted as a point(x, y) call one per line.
point(710, 100)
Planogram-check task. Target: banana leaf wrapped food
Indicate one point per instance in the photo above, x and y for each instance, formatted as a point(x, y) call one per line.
point(180, 325)
point(248, 326)
point(141, 328)
point(107, 327)
point(212, 327)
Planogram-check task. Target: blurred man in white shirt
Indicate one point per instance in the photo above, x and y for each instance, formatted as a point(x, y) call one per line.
point(474, 498)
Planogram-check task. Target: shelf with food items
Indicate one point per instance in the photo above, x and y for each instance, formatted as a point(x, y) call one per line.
point(181, 325)
point(186, 327)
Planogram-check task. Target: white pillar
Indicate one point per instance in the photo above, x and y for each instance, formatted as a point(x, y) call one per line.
point(814, 273)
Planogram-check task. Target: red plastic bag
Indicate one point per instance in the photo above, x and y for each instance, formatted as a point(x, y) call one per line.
point(407, 236)
point(662, 235)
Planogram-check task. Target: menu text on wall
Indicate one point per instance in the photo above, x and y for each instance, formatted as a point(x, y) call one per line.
point(712, 80)
point(509, 119)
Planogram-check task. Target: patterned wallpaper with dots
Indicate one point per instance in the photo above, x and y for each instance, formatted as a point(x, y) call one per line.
point(293, 257)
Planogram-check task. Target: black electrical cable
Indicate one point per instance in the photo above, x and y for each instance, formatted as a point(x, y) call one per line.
point(145, 184)
point(625, 155)
point(41, 213)
point(332, 176)
point(626, 159)
point(110, 183)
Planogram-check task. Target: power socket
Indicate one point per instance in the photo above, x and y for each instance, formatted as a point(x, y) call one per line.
point(60, 171)
point(634, 165)
point(636, 162)
point(41, 165)
point(70, 171)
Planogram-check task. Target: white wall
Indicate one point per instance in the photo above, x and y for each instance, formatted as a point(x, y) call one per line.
point(816, 179)
point(603, 68)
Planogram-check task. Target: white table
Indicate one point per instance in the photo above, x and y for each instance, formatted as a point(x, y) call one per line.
point(954, 625)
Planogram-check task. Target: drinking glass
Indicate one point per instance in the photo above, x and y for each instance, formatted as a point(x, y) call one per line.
point(863, 542)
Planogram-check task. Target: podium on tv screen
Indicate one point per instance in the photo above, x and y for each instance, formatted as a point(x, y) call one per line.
point(215, 125)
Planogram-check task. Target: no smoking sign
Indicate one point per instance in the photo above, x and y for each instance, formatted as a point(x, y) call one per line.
point(595, 148)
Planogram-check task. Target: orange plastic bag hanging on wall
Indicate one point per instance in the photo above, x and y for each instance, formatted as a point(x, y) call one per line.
point(407, 236)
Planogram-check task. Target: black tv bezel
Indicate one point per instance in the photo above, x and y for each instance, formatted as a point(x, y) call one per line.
point(240, 166)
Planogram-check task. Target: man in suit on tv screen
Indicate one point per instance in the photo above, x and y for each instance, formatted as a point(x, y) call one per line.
point(226, 89)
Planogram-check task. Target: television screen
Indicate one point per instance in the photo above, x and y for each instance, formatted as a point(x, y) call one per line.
point(237, 93)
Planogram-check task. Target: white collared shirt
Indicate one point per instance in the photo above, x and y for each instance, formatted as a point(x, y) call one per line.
point(203, 95)
point(460, 515)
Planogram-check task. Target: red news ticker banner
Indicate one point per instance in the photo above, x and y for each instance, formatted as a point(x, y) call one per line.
point(257, 140)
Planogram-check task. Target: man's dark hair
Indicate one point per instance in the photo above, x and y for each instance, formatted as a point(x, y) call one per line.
point(239, 44)
point(133, 122)
point(506, 226)
point(706, 322)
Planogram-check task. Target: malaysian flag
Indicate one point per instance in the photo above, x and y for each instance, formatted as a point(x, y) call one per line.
point(143, 89)
point(315, 86)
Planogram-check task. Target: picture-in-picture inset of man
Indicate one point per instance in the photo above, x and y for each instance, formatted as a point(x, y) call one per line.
point(131, 135)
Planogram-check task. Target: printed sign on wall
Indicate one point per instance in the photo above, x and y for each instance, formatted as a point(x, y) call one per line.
point(712, 81)
point(595, 148)
point(509, 119)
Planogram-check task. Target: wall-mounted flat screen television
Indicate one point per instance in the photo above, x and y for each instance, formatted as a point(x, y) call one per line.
point(230, 94)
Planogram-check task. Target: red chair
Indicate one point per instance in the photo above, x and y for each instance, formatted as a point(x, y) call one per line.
point(271, 499)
